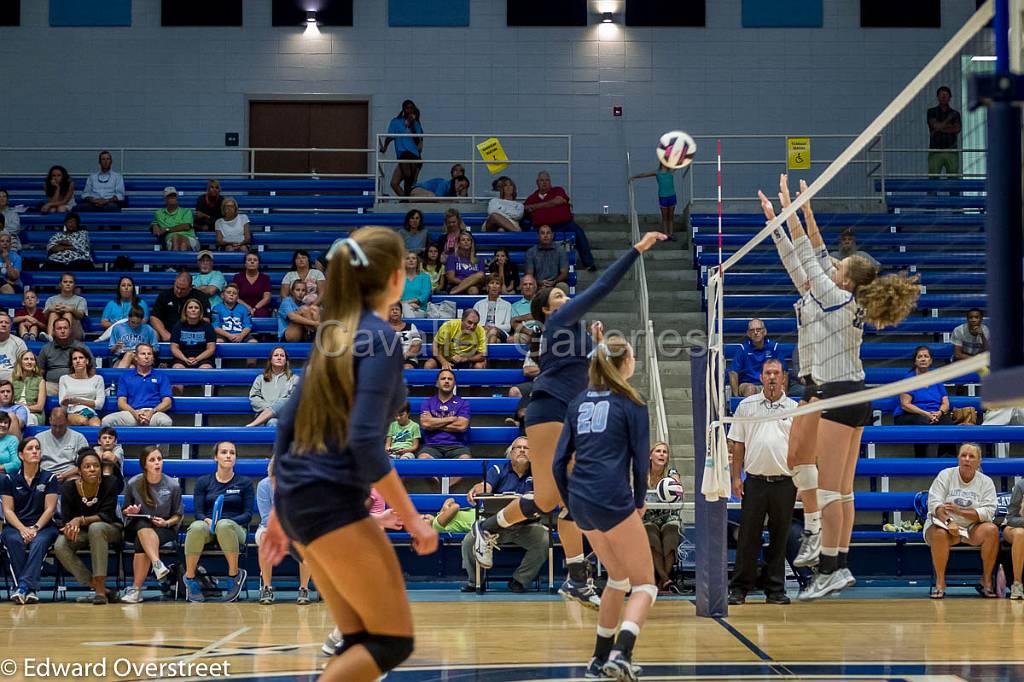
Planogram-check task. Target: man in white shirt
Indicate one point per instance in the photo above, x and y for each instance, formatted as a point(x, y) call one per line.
point(759, 449)
point(495, 313)
point(11, 347)
point(104, 191)
point(60, 446)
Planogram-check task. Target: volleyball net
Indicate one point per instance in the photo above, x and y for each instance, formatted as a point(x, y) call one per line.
point(922, 217)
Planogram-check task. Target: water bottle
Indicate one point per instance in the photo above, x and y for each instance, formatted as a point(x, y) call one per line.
point(1000, 582)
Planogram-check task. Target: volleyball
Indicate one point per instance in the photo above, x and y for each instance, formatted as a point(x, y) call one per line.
point(676, 149)
point(670, 490)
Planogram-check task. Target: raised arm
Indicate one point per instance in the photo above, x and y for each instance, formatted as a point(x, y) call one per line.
point(826, 292)
point(783, 244)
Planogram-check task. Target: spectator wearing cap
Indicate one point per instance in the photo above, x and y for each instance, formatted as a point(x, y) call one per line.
point(495, 313)
point(143, 396)
point(548, 263)
point(971, 337)
point(66, 305)
point(104, 189)
point(173, 224)
point(848, 247)
point(745, 374)
point(69, 249)
point(550, 205)
point(166, 312)
point(459, 344)
point(233, 229)
point(209, 206)
point(209, 281)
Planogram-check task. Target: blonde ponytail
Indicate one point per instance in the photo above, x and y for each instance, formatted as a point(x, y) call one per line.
point(606, 362)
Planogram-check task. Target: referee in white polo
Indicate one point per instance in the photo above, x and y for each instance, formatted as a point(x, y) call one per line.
point(759, 449)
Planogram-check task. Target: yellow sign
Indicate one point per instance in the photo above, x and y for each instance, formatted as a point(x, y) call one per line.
point(490, 150)
point(798, 153)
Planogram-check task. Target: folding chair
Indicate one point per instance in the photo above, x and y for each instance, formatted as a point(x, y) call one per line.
point(489, 505)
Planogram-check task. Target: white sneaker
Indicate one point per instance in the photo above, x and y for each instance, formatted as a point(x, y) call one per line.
point(1017, 591)
point(331, 644)
point(159, 570)
point(848, 577)
point(810, 550)
point(822, 585)
point(483, 545)
point(131, 595)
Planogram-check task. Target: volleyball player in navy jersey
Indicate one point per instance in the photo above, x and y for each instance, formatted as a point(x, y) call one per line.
point(607, 430)
point(330, 451)
point(565, 346)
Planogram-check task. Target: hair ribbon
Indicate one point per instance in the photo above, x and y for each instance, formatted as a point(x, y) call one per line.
point(600, 346)
point(358, 258)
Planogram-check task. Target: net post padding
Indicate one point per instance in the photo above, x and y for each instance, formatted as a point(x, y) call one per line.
point(716, 482)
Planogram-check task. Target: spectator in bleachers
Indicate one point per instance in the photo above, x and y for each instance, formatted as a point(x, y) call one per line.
point(264, 505)
point(110, 452)
point(66, 305)
point(547, 261)
point(417, 290)
point(848, 247)
point(30, 318)
point(971, 337)
point(297, 321)
point(60, 191)
point(943, 127)
point(963, 499)
point(10, 346)
point(406, 148)
point(928, 406)
point(408, 334)
point(29, 497)
point(233, 228)
point(457, 186)
point(170, 303)
point(231, 320)
point(10, 266)
point(104, 190)
point(60, 445)
point(125, 338)
point(153, 509)
point(173, 224)
point(55, 356)
point(662, 525)
point(433, 267)
point(551, 206)
point(11, 219)
point(9, 461)
point(224, 502)
point(1013, 535)
point(444, 422)
point(495, 313)
point(521, 313)
point(454, 226)
point(193, 340)
point(29, 386)
point(69, 249)
point(463, 270)
point(254, 286)
point(209, 281)
point(303, 271)
point(143, 396)
point(18, 413)
point(404, 436)
point(209, 206)
point(459, 344)
point(503, 211)
point(510, 477)
point(82, 392)
point(89, 509)
point(413, 233)
point(745, 372)
point(507, 271)
point(275, 384)
point(120, 308)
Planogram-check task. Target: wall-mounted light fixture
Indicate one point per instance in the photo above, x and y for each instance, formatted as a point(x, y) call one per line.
point(312, 29)
point(607, 18)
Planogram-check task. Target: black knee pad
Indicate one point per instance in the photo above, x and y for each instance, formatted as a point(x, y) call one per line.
point(388, 652)
point(350, 640)
point(529, 507)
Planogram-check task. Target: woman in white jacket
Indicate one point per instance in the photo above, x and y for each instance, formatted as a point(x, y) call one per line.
point(495, 312)
point(275, 384)
point(961, 506)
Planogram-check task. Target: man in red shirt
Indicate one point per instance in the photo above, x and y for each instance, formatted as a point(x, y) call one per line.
point(550, 206)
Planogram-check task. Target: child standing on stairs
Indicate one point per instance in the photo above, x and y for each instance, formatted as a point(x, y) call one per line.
point(666, 195)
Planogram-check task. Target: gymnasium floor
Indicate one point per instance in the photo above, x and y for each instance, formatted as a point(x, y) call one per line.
point(868, 634)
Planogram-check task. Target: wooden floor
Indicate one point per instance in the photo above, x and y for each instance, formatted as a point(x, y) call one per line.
point(500, 640)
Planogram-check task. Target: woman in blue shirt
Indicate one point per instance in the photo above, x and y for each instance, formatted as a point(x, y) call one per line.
point(928, 406)
point(121, 307)
point(29, 498)
point(330, 452)
point(406, 123)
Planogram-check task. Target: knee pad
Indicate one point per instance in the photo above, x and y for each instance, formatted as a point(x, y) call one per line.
point(388, 652)
point(848, 497)
point(805, 476)
point(648, 589)
point(620, 585)
point(827, 497)
point(529, 507)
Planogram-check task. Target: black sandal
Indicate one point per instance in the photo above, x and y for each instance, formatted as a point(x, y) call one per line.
point(937, 593)
point(986, 592)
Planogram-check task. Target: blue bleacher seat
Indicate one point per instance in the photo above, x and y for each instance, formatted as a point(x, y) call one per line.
point(894, 260)
point(228, 186)
point(885, 405)
point(833, 222)
point(785, 301)
point(787, 325)
point(919, 201)
point(931, 185)
point(304, 218)
point(868, 239)
point(876, 350)
point(779, 278)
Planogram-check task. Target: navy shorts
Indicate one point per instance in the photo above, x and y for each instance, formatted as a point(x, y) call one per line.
point(854, 416)
point(544, 408)
point(589, 516)
point(315, 510)
point(665, 202)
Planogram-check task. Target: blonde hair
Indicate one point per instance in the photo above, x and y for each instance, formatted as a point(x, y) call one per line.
point(453, 212)
point(651, 475)
point(606, 363)
point(472, 245)
point(328, 390)
point(886, 300)
point(18, 374)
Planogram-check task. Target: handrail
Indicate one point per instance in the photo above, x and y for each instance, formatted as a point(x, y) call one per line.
point(655, 398)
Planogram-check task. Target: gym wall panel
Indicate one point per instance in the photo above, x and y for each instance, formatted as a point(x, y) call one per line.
point(90, 12)
point(428, 12)
point(782, 14)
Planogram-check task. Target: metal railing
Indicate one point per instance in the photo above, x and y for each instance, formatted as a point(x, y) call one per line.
point(522, 150)
point(656, 399)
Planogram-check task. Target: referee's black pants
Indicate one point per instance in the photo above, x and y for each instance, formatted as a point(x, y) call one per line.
point(773, 496)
